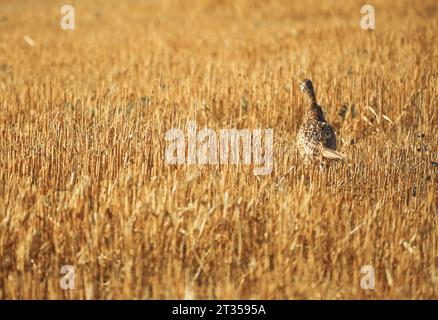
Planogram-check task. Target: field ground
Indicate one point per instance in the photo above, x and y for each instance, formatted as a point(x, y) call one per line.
point(83, 180)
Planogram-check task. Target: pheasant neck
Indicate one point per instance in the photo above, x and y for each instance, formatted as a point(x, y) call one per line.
point(313, 110)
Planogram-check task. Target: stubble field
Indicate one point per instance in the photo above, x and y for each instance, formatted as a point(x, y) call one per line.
point(83, 177)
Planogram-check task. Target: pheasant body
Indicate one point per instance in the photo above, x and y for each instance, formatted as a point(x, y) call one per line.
point(313, 134)
point(316, 137)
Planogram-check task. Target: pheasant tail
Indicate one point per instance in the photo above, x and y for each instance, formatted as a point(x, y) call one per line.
point(332, 154)
point(329, 153)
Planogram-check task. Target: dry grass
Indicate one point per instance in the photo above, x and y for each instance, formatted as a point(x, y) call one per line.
point(83, 179)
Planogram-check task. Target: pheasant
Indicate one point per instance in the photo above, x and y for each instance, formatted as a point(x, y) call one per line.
point(316, 138)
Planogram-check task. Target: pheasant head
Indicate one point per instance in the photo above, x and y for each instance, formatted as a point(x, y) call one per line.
point(307, 87)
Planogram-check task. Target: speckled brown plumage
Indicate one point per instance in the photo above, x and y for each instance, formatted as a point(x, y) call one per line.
point(316, 138)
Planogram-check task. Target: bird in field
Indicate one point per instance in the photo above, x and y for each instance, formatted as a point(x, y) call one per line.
point(316, 139)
